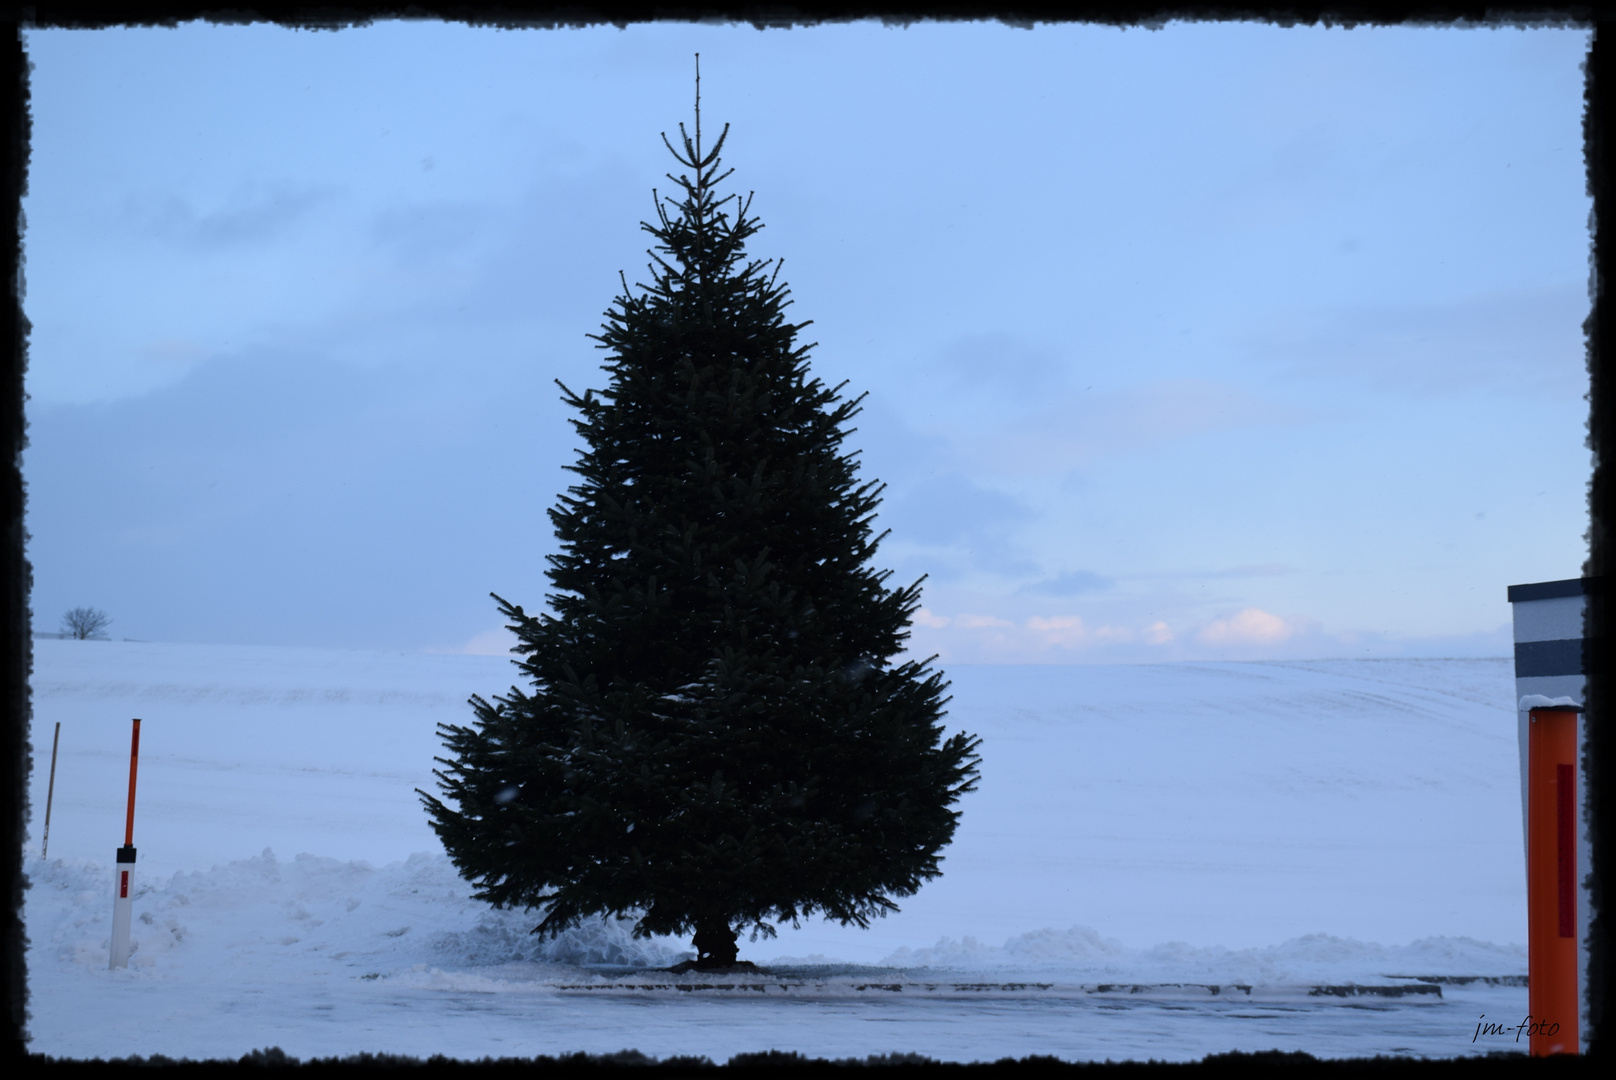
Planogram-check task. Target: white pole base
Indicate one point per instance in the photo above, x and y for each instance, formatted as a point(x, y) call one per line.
point(123, 902)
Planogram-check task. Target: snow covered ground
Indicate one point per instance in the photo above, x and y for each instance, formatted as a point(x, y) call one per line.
point(1162, 861)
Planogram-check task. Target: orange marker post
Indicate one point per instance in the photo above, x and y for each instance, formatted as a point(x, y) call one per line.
point(1551, 880)
point(124, 878)
point(134, 762)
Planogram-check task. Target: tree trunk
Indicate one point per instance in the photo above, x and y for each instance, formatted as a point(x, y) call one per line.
point(715, 943)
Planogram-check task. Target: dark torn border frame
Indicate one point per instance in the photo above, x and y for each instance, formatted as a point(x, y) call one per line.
point(16, 649)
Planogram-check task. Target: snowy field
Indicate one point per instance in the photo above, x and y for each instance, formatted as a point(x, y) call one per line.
point(1161, 862)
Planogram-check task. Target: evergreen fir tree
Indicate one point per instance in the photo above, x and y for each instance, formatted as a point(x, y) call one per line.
point(717, 735)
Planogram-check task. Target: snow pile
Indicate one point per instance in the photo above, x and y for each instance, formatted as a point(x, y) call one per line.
point(1538, 701)
point(416, 920)
point(1080, 953)
point(1077, 949)
point(265, 911)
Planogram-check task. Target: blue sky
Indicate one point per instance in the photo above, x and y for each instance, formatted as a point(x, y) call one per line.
point(1221, 341)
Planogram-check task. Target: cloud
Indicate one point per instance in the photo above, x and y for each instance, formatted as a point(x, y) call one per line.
point(1039, 636)
point(1035, 637)
point(1059, 629)
point(1525, 341)
point(1071, 630)
point(1001, 364)
point(422, 233)
point(949, 526)
point(1072, 430)
point(974, 622)
point(324, 502)
point(949, 509)
point(1248, 571)
point(1251, 626)
point(1057, 622)
point(173, 353)
point(489, 643)
point(1248, 634)
point(252, 214)
point(1069, 584)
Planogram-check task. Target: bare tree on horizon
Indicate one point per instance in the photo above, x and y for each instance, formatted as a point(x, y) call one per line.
point(83, 623)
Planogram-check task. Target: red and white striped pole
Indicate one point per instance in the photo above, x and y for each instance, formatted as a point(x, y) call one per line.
point(123, 894)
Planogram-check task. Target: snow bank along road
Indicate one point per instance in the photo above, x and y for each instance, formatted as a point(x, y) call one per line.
point(1271, 822)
